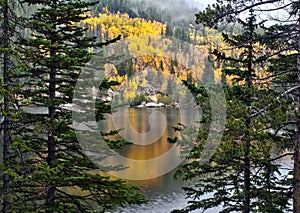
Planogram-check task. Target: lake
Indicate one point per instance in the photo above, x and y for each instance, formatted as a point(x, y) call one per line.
point(164, 193)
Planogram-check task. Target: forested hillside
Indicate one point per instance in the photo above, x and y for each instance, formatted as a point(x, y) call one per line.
point(138, 34)
point(197, 58)
point(239, 62)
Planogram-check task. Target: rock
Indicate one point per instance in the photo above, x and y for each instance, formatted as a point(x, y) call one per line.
point(152, 104)
point(110, 92)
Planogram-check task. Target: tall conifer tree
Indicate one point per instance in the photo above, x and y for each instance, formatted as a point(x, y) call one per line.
point(57, 176)
point(5, 126)
point(242, 175)
point(9, 32)
point(282, 38)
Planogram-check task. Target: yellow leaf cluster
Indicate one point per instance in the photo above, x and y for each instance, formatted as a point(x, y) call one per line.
point(111, 25)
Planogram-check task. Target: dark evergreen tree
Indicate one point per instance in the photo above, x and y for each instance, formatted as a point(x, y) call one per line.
point(56, 175)
point(242, 175)
point(9, 32)
point(6, 138)
point(283, 39)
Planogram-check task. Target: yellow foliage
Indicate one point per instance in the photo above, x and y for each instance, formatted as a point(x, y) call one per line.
point(122, 24)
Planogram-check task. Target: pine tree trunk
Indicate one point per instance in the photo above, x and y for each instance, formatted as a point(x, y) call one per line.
point(51, 146)
point(51, 188)
point(296, 181)
point(246, 202)
point(6, 139)
point(247, 173)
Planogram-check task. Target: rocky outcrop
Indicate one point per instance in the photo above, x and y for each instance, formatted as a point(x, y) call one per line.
point(147, 96)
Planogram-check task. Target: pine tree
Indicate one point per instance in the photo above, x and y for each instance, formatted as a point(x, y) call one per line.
point(242, 175)
point(282, 38)
point(10, 25)
point(6, 138)
point(285, 69)
point(57, 176)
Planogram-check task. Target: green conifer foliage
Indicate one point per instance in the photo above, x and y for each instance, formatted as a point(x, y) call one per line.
point(242, 175)
point(55, 175)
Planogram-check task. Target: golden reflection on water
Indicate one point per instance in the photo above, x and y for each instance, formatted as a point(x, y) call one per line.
point(139, 120)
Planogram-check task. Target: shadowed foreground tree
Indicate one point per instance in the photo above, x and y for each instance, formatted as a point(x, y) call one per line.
point(10, 25)
point(283, 37)
point(54, 173)
point(5, 109)
point(243, 175)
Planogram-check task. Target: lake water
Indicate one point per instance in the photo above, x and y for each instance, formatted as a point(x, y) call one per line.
point(164, 193)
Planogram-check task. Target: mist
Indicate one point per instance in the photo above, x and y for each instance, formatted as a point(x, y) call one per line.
point(176, 9)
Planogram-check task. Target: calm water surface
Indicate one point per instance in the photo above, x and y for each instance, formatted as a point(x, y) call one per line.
point(164, 193)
